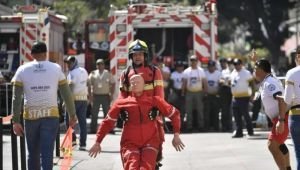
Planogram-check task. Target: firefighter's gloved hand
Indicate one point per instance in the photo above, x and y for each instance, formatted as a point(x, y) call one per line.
point(124, 115)
point(154, 112)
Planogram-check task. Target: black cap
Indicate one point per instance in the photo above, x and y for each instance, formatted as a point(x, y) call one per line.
point(211, 63)
point(237, 61)
point(179, 63)
point(38, 47)
point(70, 59)
point(264, 64)
point(223, 60)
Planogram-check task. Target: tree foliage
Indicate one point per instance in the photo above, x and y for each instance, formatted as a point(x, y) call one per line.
point(261, 19)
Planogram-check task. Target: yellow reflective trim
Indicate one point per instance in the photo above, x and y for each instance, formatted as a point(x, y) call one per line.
point(158, 83)
point(17, 83)
point(146, 86)
point(61, 82)
point(289, 82)
point(33, 114)
point(295, 111)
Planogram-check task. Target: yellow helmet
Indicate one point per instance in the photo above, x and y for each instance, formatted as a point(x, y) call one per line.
point(138, 46)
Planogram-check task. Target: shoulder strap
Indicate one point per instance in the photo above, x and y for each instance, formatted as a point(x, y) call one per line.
point(126, 78)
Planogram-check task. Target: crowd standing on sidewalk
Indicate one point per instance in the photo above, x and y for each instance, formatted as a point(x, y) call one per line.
point(208, 98)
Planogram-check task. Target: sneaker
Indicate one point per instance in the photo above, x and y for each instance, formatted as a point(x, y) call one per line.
point(82, 148)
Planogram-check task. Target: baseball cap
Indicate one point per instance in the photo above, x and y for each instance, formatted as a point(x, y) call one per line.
point(38, 47)
point(70, 59)
point(99, 61)
point(237, 61)
point(193, 57)
point(211, 63)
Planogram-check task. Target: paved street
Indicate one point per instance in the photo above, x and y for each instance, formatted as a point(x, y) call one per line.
point(204, 151)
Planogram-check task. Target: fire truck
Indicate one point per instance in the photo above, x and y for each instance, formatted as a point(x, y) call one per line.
point(20, 30)
point(172, 32)
point(17, 34)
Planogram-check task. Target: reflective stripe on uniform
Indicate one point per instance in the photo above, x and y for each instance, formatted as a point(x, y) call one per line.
point(146, 86)
point(172, 112)
point(110, 118)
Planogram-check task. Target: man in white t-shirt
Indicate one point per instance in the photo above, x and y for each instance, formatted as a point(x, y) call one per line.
point(225, 96)
point(271, 90)
point(194, 88)
point(39, 81)
point(242, 89)
point(212, 99)
point(77, 79)
point(175, 96)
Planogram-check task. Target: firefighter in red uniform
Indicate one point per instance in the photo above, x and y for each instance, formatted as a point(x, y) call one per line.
point(139, 54)
point(140, 139)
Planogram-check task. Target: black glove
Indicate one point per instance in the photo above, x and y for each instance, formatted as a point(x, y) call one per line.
point(153, 113)
point(124, 115)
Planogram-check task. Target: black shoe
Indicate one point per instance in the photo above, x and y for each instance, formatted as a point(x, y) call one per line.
point(237, 135)
point(250, 134)
point(158, 165)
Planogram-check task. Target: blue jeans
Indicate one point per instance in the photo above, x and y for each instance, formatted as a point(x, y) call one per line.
point(294, 124)
point(40, 137)
point(81, 107)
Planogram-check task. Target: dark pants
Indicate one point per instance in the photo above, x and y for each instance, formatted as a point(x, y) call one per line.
point(211, 112)
point(179, 102)
point(226, 112)
point(81, 107)
point(240, 108)
point(294, 124)
point(98, 100)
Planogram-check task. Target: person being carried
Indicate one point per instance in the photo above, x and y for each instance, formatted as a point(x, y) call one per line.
point(140, 139)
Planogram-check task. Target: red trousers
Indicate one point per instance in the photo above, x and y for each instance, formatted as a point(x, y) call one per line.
point(134, 158)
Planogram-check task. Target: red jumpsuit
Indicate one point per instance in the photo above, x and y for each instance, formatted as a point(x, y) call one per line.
point(153, 87)
point(147, 74)
point(140, 139)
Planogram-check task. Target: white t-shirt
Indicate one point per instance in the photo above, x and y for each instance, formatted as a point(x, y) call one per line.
point(240, 83)
point(194, 78)
point(213, 81)
point(78, 77)
point(225, 75)
point(292, 87)
point(177, 77)
point(40, 82)
point(269, 87)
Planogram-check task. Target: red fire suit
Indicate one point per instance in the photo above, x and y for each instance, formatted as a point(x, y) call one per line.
point(153, 83)
point(153, 87)
point(140, 139)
